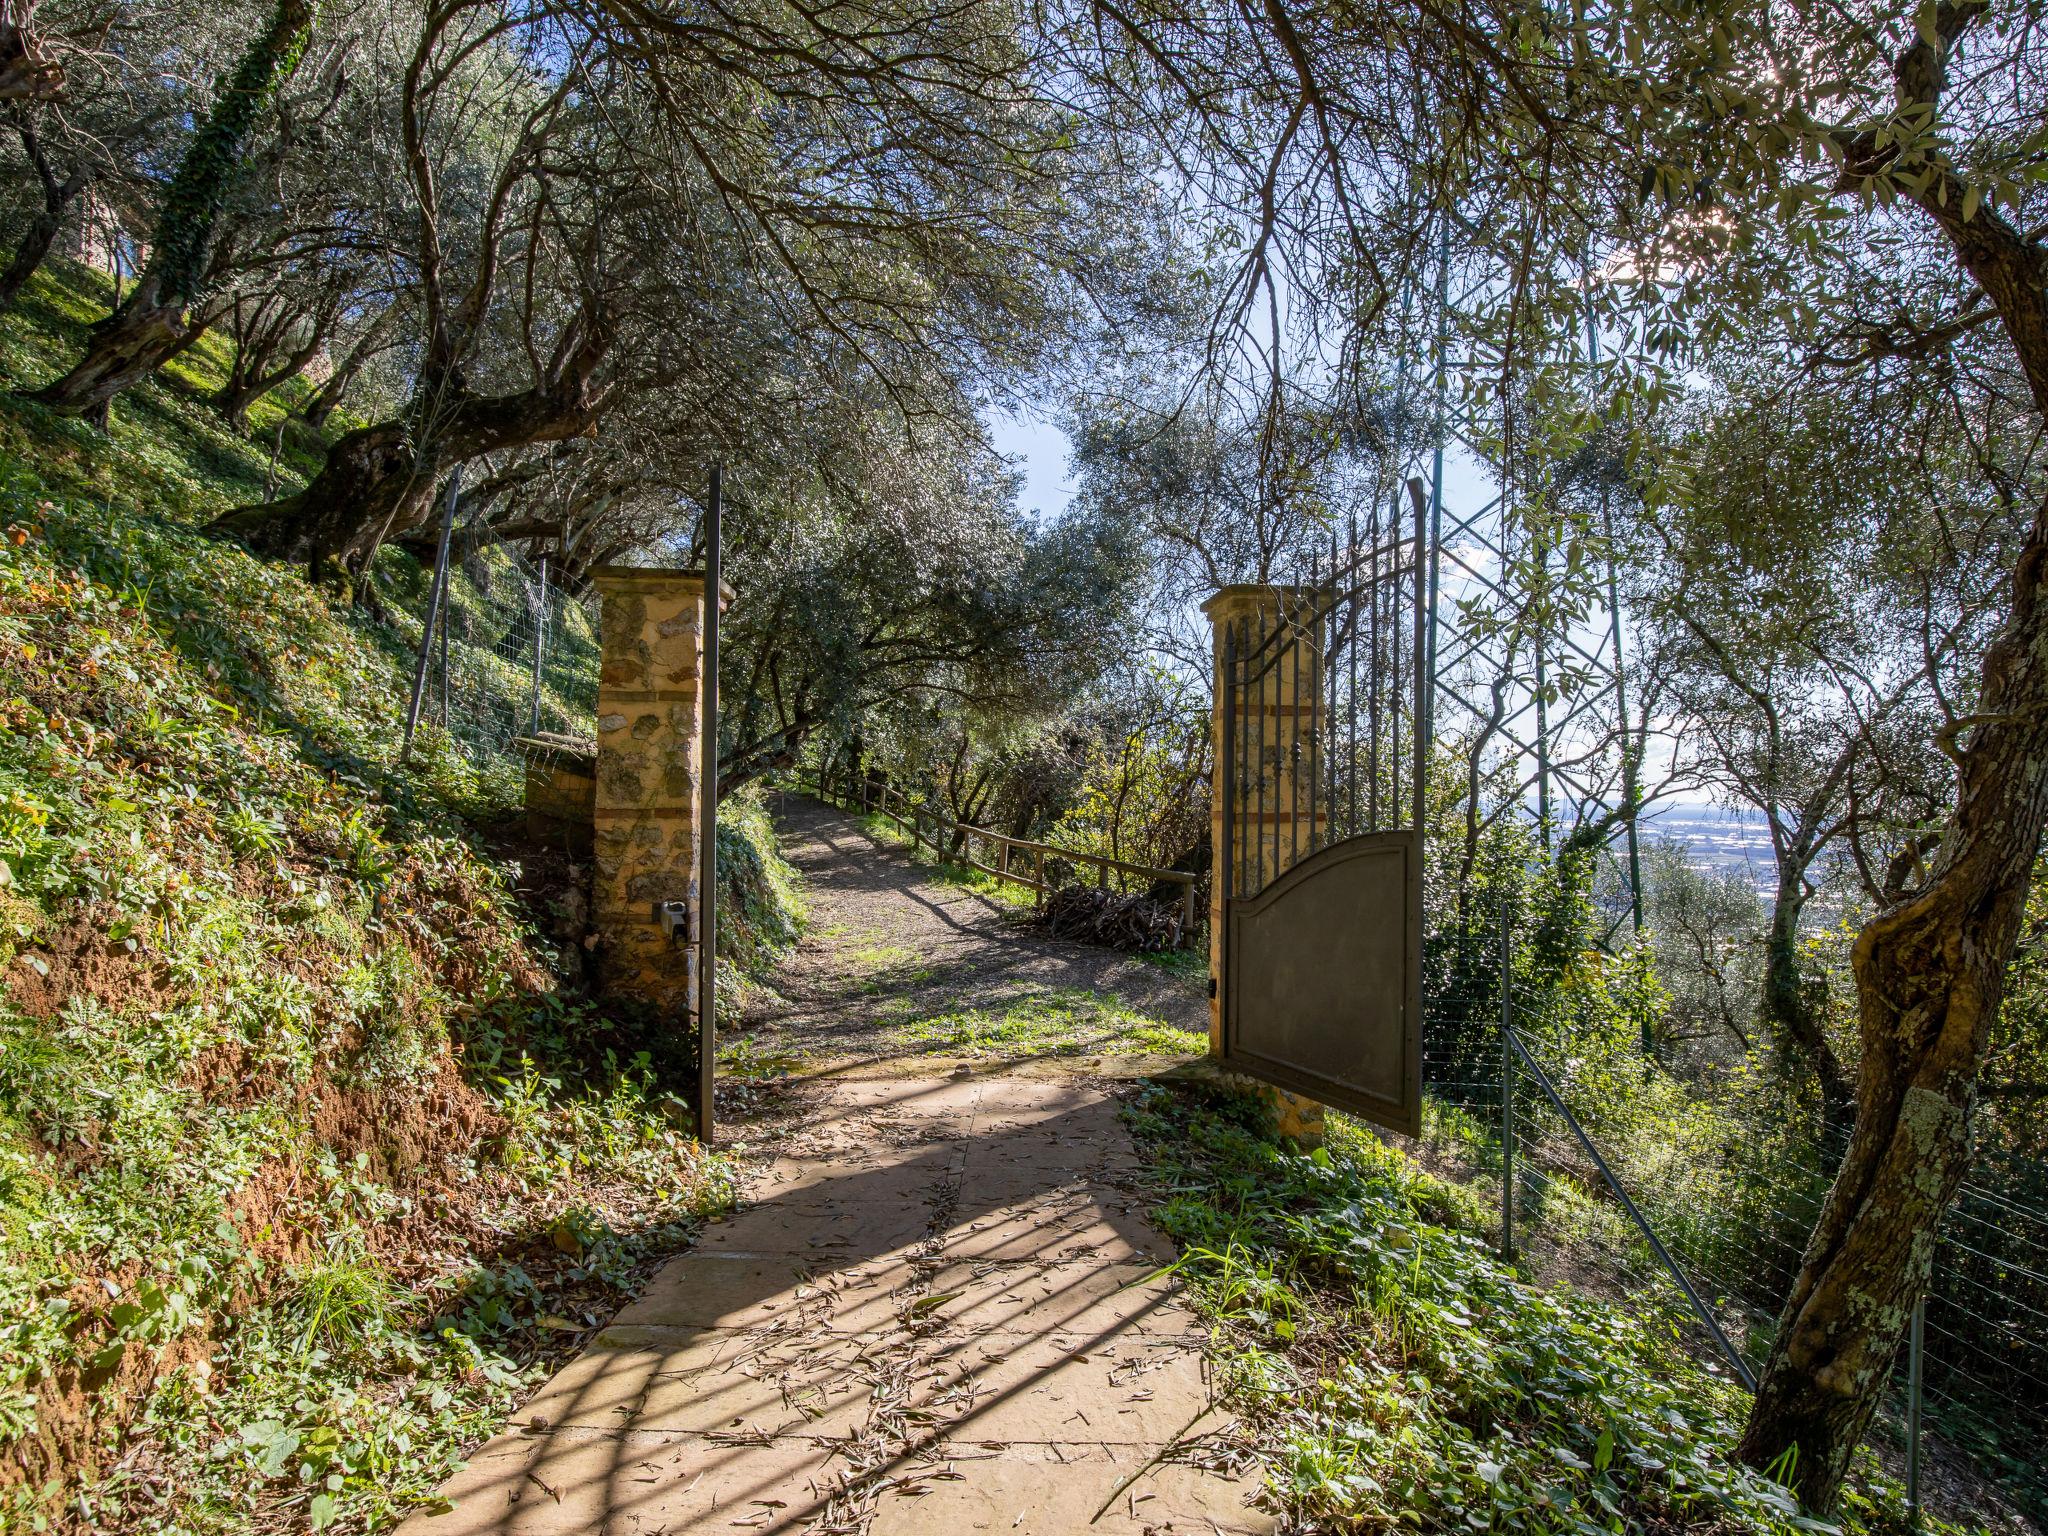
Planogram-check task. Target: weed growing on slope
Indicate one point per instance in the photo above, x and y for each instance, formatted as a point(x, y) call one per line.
point(310, 1165)
point(1399, 1373)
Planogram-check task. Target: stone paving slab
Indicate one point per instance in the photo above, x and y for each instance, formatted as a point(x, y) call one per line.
point(942, 1315)
point(1067, 1297)
point(1059, 1491)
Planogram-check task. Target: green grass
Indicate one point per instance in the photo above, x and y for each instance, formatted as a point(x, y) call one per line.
point(310, 1160)
point(1397, 1373)
point(1009, 894)
point(761, 907)
point(1055, 1022)
point(1188, 964)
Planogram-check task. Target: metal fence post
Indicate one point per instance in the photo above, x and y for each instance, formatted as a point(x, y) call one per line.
point(540, 647)
point(707, 814)
point(1507, 1095)
point(1916, 1365)
point(445, 578)
point(435, 596)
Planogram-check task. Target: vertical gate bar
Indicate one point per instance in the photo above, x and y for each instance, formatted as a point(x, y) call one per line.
point(1331, 763)
point(707, 818)
point(1372, 673)
point(1235, 789)
point(1268, 713)
point(1331, 783)
point(1916, 1373)
point(1247, 843)
point(1255, 766)
point(1251, 848)
point(1311, 630)
point(1507, 1093)
point(1351, 654)
point(1255, 763)
point(1393, 668)
point(1225, 855)
point(1294, 736)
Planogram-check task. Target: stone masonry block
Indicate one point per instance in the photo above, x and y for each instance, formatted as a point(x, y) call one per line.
point(647, 790)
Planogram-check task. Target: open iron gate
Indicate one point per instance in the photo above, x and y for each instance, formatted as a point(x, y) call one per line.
point(1324, 739)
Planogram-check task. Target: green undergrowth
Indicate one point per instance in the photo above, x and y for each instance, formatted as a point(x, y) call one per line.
point(1398, 1374)
point(490, 629)
point(761, 909)
point(313, 1155)
point(1064, 1021)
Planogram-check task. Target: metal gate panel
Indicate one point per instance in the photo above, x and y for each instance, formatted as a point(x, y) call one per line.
point(1323, 970)
point(1322, 722)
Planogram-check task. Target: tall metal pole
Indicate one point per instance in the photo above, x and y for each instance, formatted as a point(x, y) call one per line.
point(1436, 463)
point(1507, 1091)
point(1631, 789)
point(707, 825)
point(540, 647)
point(435, 596)
point(1916, 1365)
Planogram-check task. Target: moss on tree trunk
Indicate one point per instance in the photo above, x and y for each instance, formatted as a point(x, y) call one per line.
point(156, 322)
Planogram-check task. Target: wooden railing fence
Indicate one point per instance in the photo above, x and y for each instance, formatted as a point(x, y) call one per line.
point(928, 826)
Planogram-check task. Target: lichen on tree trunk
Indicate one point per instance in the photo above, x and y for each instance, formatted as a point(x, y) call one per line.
point(1930, 972)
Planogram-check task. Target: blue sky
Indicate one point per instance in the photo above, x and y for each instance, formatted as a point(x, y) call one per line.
point(1039, 449)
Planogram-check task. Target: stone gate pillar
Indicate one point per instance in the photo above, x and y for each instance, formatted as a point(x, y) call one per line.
point(1269, 756)
point(649, 770)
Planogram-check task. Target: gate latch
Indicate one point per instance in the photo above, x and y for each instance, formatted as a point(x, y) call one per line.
point(674, 917)
point(1212, 986)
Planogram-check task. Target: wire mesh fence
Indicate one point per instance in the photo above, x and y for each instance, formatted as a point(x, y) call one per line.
point(1732, 1182)
point(514, 653)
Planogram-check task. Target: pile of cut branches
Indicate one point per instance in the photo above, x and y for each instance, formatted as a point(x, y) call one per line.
point(1096, 916)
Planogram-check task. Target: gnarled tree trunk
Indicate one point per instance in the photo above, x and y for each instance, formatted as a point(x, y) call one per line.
point(41, 231)
point(378, 481)
point(157, 322)
point(126, 348)
point(1930, 972)
point(1931, 968)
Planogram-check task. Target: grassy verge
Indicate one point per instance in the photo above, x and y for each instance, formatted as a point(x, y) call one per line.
point(1398, 1374)
point(1064, 1021)
point(761, 909)
point(312, 1159)
point(881, 829)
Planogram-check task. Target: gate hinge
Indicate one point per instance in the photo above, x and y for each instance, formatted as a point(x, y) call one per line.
point(1212, 986)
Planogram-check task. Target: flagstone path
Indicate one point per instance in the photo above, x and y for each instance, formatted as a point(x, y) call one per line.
point(937, 1310)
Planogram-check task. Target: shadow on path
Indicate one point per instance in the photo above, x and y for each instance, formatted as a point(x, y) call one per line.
point(940, 1309)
